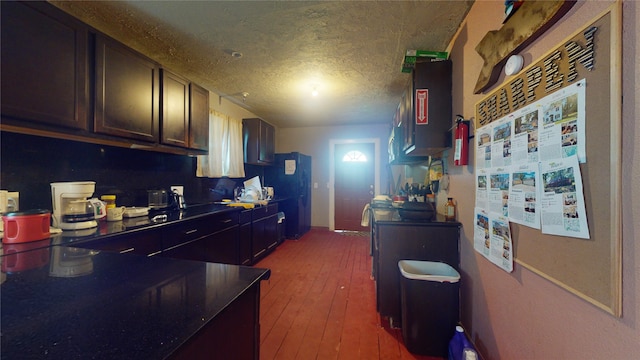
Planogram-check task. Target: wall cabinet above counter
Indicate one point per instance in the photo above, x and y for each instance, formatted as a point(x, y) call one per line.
point(63, 79)
point(422, 122)
point(259, 142)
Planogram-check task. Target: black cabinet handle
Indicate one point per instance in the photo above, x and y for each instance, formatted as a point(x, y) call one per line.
point(188, 232)
point(127, 250)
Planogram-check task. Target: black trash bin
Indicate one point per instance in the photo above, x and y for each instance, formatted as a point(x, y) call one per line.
point(430, 306)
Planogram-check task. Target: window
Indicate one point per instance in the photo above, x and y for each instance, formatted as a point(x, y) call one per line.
point(354, 156)
point(225, 149)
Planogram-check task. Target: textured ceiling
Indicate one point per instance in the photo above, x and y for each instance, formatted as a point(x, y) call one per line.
point(351, 51)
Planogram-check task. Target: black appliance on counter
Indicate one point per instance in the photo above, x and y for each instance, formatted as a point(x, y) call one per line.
point(290, 177)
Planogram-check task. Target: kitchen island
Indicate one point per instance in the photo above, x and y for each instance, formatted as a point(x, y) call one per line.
point(126, 306)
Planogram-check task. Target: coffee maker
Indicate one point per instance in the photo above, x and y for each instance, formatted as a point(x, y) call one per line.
point(71, 208)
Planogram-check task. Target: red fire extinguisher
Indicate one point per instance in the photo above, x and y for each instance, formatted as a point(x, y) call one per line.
point(461, 155)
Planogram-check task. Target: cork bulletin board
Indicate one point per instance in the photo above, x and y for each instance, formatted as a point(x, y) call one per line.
point(589, 268)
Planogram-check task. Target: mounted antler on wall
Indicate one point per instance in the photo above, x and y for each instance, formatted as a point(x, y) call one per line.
point(531, 20)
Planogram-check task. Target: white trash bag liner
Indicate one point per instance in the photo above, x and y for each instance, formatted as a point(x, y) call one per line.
point(428, 270)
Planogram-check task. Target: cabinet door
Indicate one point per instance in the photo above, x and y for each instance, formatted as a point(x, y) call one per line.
point(267, 143)
point(408, 118)
point(198, 118)
point(259, 142)
point(126, 92)
point(222, 247)
point(175, 110)
point(251, 138)
point(434, 136)
point(258, 240)
point(271, 232)
point(244, 239)
point(44, 65)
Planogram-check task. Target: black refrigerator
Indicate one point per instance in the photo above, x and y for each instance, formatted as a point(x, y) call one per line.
point(290, 177)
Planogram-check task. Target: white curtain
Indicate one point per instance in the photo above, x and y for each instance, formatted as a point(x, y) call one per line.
point(225, 149)
point(235, 160)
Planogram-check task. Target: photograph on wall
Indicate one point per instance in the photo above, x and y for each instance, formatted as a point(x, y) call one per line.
point(523, 196)
point(498, 193)
point(563, 124)
point(525, 135)
point(562, 202)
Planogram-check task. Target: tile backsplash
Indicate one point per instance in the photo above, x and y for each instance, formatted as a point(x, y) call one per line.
point(30, 163)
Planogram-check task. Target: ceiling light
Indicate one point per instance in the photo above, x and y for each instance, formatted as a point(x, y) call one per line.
point(314, 92)
point(236, 54)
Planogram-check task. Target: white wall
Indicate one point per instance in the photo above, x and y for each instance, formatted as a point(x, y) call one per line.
point(521, 315)
point(314, 141)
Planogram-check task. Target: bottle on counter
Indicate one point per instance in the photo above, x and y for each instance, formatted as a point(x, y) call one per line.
point(450, 210)
point(109, 200)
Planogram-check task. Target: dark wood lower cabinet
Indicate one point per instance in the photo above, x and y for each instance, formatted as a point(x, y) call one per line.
point(233, 334)
point(220, 247)
point(140, 243)
point(395, 241)
point(244, 237)
point(212, 238)
point(238, 238)
point(264, 230)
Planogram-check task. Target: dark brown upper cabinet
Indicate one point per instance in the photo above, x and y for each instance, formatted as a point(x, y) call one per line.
point(430, 136)
point(198, 118)
point(175, 110)
point(44, 65)
point(259, 141)
point(127, 92)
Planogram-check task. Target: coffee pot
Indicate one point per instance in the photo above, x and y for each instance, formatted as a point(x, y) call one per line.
point(177, 200)
point(71, 209)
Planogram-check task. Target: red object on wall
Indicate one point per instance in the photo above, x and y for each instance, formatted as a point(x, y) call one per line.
point(461, 155)
point(422, 106)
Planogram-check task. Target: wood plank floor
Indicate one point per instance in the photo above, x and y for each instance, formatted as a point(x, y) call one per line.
point(320, 302)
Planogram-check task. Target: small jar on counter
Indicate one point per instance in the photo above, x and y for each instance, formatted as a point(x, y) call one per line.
point(109, 200)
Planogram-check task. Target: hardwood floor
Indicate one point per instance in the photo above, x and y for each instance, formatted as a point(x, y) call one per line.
point(320, 302)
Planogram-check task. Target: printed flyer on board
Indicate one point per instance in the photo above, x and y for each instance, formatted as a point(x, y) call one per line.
point(563, 129)
point(523, 196)
point(483, 147)
point(499, 191)
point(562, 202)
point(525, 135)
point(482, 189)
point(492, 238)
point(528, 173)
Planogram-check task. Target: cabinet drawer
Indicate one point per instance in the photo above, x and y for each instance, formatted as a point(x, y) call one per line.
point(244, 217)
point(265, 211)
point(186, 231)
point(142, 243)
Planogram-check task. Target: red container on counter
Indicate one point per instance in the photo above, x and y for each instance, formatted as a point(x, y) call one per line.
point(25, 256)
point(26, 226)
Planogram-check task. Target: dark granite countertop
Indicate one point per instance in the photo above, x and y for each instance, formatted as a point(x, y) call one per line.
point(107, 229)
point(391, 216)
point(125, 306)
